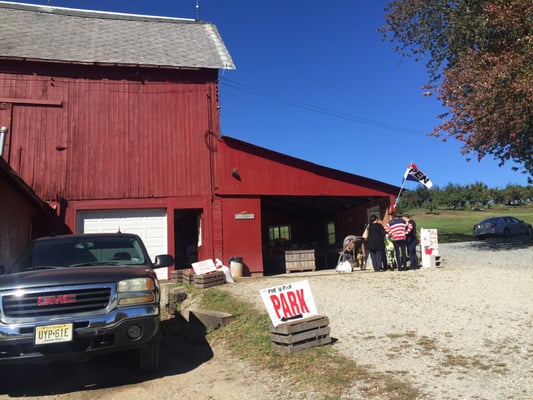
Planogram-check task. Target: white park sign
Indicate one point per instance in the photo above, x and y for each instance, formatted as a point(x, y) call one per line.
point(289, 302)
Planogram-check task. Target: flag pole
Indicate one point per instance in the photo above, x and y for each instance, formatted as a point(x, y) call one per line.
point(399, 193)
point(403, 184)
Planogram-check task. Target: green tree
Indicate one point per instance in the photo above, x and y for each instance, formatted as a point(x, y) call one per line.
point(497, 196)
point(479, 56)
point(514, 193)
point(478, 194)
point(433, 199)
point(408, 199)
point(528, 192)
point(454, 196)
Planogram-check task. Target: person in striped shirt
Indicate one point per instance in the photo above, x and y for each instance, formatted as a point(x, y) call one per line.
point(397, 229)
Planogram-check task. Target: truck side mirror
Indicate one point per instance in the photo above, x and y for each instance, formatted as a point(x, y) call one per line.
point(163, 260)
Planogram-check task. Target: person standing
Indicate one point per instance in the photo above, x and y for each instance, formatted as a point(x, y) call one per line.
point(376, 244)
point(398, 230)
point(411, 241)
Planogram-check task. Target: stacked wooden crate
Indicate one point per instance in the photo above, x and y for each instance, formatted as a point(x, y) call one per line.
point(188, 276)
point(177, 275)
point(299, 260)
point(291, 337)
point(201, 281)
point(204, 281)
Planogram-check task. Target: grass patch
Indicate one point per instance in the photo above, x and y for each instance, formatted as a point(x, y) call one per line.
point(318, 369)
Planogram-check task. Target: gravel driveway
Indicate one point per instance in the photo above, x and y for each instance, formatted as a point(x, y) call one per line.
point(459, 331)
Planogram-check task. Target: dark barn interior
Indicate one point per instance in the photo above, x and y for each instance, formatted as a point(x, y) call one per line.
point(317, 223)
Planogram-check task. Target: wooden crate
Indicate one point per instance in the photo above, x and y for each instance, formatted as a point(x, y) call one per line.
point(298, 335)
point(204, 281)
point(188, 276)
point(299, 260)
point(177, 275)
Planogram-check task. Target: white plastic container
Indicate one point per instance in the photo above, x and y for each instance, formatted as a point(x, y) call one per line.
point(235, 267)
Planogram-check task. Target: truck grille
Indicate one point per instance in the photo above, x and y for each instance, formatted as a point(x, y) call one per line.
point(42, 304)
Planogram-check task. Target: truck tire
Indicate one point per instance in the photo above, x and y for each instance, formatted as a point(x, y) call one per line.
point(149, 354)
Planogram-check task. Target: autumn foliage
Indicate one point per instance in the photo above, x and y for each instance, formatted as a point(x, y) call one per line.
point(479, 57)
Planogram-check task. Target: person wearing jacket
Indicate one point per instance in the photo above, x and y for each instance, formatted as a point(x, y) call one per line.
point(376, 244)
point(398, 229)
point(411, 241)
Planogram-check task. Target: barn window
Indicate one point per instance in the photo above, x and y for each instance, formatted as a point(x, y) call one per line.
point(331, 233)
point(279, 234)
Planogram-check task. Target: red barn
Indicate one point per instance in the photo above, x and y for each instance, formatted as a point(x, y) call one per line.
point(23, 215)
point(114, 120)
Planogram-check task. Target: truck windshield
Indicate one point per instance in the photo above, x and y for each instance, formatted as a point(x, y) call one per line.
point(65, 252)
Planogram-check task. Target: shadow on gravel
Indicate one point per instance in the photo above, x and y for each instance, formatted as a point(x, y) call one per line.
point(183, 348)
point(501, 244)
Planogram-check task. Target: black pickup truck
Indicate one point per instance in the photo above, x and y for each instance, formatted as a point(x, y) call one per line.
point(76, 296)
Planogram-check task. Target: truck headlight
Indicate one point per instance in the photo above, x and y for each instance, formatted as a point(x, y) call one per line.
point(136, 285)
point(136, 291)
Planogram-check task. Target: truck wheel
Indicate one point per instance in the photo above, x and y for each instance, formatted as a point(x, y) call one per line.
point(149, 354)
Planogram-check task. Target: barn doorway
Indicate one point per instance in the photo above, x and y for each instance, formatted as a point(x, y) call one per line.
point(187, 236)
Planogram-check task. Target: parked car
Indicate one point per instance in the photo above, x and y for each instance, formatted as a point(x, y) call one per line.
point(76, 296)
point(502, 226)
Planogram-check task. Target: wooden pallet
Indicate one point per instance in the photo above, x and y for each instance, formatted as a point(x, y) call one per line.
point(299, 260)
point(204, 281)
point(298, 335)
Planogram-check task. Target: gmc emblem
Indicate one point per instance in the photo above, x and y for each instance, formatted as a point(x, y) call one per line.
point(53, 300)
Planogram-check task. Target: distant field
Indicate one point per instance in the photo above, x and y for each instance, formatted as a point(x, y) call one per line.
point(456, 225)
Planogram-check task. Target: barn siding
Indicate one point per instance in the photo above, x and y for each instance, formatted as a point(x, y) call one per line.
point(262, 171)
point(243, 236)
point(115, 134)
point(16, 216)
point(23, 216)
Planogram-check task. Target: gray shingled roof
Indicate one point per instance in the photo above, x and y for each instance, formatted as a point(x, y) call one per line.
point(69, 35)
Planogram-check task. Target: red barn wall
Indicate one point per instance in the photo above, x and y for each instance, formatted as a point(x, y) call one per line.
point(82, 132)
point(23, 216)
point(269, 173)
point(16, 217)
point(242, 234)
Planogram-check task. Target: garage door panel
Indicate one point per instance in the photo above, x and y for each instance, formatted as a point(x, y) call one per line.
point(149, 224)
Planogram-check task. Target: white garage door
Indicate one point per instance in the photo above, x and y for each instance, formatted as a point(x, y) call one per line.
point(149, 224)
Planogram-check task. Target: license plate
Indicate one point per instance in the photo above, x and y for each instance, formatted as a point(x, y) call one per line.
point(53, 334)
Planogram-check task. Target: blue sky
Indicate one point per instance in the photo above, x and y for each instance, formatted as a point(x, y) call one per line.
point(315, 81)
